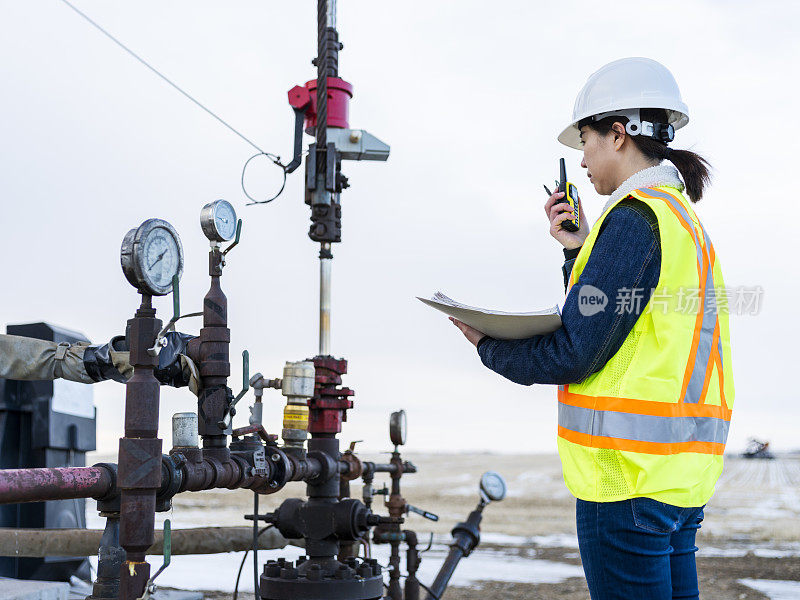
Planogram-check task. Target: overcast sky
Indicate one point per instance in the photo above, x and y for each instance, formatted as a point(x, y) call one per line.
point(470, 96)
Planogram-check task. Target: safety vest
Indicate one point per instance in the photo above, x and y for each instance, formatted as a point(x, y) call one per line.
point(654, 420)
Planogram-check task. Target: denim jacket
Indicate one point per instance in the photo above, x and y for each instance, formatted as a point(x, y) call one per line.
point(626, 256)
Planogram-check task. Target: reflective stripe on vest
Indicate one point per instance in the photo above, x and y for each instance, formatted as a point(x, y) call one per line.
point(686, 425)
point(643, 428)
point(706, 335)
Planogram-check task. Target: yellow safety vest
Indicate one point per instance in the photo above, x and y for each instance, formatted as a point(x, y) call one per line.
point(654, 420)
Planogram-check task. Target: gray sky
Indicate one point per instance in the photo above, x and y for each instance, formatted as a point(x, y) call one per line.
point(471, 96)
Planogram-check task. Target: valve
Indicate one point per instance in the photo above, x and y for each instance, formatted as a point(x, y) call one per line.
point(424, 513)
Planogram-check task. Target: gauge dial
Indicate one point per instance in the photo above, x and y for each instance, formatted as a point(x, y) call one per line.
point(493, 485)
point(152, 255)
point(397, 427)
point(218, 221)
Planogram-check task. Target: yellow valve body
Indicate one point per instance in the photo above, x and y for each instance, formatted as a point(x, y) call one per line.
point(295, 416)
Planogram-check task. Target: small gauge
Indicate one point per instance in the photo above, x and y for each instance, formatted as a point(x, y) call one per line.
point(493, 485)
point(218, 221)
point(151, 256)
point(397, 427)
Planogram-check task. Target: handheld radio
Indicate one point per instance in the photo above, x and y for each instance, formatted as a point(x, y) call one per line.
point(570, 196)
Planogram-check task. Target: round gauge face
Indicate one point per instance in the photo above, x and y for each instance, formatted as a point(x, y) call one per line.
point(398, 427)
point(159, 257)
point(493, 485)
point(151, 256)
point(218, 221)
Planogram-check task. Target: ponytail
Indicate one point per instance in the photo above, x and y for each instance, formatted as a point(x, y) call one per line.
point(694, 169)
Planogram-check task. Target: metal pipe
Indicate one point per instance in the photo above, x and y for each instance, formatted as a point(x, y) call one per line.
point(38, 485)
point(26, 543)
point(412, 565)
point(110, 556)
point(325, 302)
point(466, 537)
point(446, 571)
point(139, 470)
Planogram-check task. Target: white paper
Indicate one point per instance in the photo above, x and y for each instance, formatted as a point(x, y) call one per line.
point(498, 324)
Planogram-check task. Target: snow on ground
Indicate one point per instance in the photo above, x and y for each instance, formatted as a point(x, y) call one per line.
point(218, 572)
point(776, 590)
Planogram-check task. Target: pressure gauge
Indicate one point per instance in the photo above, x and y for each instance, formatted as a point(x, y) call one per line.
point(151, 256)
point(493, 486)
point(218, 220)
point(397, 428)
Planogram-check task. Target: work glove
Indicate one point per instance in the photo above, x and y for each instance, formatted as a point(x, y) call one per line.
point(108, 361)
point(112, 361)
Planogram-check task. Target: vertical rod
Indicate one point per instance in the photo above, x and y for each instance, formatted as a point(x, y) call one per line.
point(139, 474)
point(256, 591)
point(325, 263)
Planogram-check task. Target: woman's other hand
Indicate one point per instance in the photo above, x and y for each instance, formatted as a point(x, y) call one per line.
point(557, 212)
point(473, 335)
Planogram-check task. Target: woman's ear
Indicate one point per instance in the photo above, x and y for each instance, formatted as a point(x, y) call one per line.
point(618, 129)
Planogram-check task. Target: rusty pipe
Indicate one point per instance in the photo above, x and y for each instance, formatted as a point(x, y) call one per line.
point(211, 472)
point(64, 483)
point(203, 473)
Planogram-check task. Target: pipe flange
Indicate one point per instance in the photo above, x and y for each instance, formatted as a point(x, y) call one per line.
point(355, 466)
point(109, 502)
point(328, 467)
point(244, 469)
point(280, 470)
point(171, 476)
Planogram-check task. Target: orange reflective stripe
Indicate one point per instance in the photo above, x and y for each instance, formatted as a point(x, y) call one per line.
point(594, 441)
point(710, 366)
point(643, 407)
point(720, 375)
point(702, 272)
point(698, 326)
point(687, 226)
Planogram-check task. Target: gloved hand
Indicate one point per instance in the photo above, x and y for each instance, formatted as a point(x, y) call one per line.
point(112, 361)
point(108, 361)
point(174, 367)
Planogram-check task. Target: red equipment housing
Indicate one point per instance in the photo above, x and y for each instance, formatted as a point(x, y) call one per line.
point(339, 94)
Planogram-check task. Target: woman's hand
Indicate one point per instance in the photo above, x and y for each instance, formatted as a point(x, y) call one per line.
point(473, 335)
point(553, 209)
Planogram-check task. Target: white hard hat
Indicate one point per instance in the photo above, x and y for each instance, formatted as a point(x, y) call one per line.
point(622, 87)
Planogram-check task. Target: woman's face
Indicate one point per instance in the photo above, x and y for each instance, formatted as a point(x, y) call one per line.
point(599, 159)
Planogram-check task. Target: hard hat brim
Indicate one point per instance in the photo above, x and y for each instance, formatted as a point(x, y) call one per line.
point(571, 136)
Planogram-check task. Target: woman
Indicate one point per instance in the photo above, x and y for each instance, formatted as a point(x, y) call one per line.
point(642, 360)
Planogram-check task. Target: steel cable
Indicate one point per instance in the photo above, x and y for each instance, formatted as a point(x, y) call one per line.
point(274, 158)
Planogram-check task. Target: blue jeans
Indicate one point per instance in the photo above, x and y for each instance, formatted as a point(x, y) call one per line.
point(638, 549)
